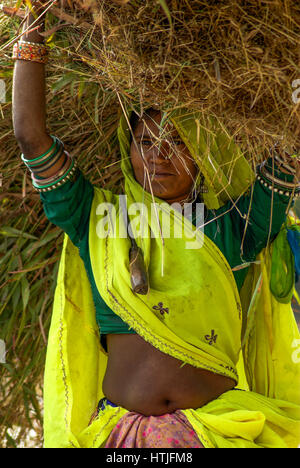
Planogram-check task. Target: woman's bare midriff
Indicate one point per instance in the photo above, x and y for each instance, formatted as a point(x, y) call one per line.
point(141, 378)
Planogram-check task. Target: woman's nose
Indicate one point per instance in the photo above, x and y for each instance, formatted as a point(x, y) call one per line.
point(161, 151)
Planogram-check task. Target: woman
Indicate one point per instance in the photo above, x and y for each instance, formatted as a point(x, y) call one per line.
point(173, 318)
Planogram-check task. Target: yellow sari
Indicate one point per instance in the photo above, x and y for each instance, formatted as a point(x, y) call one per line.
point(255, 338)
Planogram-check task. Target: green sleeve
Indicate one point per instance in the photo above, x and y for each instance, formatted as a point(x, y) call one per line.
point(241, 229)
point(69, 207)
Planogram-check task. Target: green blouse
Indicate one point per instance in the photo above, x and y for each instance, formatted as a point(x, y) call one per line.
point(69, 208)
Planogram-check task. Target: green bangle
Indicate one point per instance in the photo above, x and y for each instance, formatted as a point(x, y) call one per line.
point(52, 163)
point(28, 161)
point(70, 177)
point(56, 181)
point(40, 165)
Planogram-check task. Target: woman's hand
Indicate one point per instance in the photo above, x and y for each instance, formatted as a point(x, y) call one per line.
point(41, 4)
point(37, 6)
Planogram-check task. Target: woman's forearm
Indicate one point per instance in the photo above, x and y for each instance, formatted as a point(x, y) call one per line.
point(29, 103)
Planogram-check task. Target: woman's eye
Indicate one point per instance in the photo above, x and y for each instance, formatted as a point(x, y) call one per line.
point(172, 142)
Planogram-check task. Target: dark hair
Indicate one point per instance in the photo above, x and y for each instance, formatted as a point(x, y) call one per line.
point(135, 118)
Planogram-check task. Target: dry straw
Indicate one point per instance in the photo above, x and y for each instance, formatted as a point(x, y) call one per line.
point(236, 60)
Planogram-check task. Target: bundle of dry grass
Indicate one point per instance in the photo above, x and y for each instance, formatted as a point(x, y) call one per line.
point(237, 60)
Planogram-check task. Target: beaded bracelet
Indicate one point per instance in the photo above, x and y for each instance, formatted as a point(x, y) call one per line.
point(67, 177)
point(281, 183)
point(287, 183)
point(32, 51)
point(268, 180)
point(280, 191)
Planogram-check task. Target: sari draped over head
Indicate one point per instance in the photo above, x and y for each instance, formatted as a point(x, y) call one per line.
point(193, 311)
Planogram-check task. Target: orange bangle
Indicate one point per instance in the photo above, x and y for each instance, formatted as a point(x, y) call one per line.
point(32, 51)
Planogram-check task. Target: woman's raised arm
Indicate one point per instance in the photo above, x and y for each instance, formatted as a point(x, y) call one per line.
point(29, 103)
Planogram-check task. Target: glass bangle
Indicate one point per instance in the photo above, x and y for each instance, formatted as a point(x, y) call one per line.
point(50, 163)
point(58, 144)
point(278, 188)
point(61, 172)
point(70, 177)
point(58, 180)
point(49, 167)
point(274, 184)
point(271, 178)
point(48, 159)
point(66, 179)
point(273, 168)
point(284, 164)
point(28, 161)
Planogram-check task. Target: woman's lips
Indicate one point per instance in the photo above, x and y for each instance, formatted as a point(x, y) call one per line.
point(159, 173)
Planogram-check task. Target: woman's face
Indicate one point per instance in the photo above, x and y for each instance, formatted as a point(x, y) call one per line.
point(160, 158)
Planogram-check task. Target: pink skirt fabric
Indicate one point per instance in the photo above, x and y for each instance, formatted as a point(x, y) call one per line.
point(135, 430)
